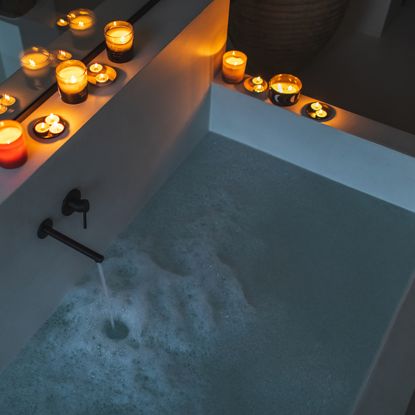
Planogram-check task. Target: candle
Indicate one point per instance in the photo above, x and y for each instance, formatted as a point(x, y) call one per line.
point(72, 81)
point(233, 66)
point(102, 78)
point(285, 89)
point(316, 106)
point(13, 152)
point(119, 38)
point(256, 85)
point(62, 55)
point(35, 62)
point(81, 19)
point(321, 114)
point(42, 128)
point(56, 128)
point(7, 100)
point(52, 118)
point(61, 22)
point(3, 109)
point(96, 68)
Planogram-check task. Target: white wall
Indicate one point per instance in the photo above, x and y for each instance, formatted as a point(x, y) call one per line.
point(118, 160)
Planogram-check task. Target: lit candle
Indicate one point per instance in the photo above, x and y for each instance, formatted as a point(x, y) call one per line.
point(119, 38)
point(102, 78)
point(96, 67)
point(316, 106)
point(81, 19)
point(72, 81)
point(42, 128)
point(56, 128)
point(256, 85)
point(13, 152)
point(61, 22)
point(3, 109)
point(7, 100)
point(233, 66)
point(52, 118)
point(285, 89)
point(321, 114)
point(35, 62)
point(63, 55)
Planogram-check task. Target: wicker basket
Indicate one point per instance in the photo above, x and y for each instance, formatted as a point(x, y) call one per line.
point(282, 35)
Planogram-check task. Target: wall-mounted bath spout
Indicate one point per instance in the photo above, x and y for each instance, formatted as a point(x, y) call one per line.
point(73, 202)
point(46, 229)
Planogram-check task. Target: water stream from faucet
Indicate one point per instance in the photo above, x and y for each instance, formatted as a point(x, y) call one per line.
point(107, 297)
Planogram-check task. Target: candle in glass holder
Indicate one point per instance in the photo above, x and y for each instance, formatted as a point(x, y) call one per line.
point(72, 81)
point(35, 62)
point(119, 38)
point(285, 89)
point(81, 19)
point(13, 151)
point(233, 66)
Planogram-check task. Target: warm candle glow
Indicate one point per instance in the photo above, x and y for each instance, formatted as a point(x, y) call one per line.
point(316, 106)
point(52, 118)
point(35, 59)
point(81, 19)
point(3, 109)
point(102, 78)
point(256, 85)
point(233, 66)
point(119, 38)
point(96, 68)
point(321, 113)
point(13, 151)
point(72, 81)
point(42, 128)
point(7, 100)
point(56, 128)
point(285, 89)
point(61, 22)
point(63, 55)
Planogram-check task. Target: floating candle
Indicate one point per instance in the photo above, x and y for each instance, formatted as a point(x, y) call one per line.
point(7, 100)
point(13, 152)
point(119, 38)
point(56, 128)
point(233, 66)
point(52, 118)
point(81, 19)
point(96, 67)
point(72, 81)
point(102, 78)
point(42, 128)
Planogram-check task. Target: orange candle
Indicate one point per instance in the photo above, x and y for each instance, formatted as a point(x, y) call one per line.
point(119, 38)
point(13, 151)
point(233, 66)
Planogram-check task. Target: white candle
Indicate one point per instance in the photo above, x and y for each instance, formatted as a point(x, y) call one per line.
point(9, 134)
point(42, 128)
point(56, 128)
point(96, 67)
point(102, 78)
point(72, 79)
point(316, 106)
point(52, 118)
point(7, 100)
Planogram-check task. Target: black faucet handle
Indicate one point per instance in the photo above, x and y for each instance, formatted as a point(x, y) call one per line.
point(73, 202)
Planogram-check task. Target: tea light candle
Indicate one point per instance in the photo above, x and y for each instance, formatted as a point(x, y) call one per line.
point(119, 38)
point(7, 100)
point(72, 81)
point(13, 151)
point(81, 19)
point(233, 66)
point(56, 128)
point(285, 89)
point(102, 78)
point(256, 85)
point(42, 128)
point(52, 118)
point(35, 62)
point(96, 67)
point(63, 55)
point(316, 106)
point(321, 114)
point(62, 22)
point(3, 109)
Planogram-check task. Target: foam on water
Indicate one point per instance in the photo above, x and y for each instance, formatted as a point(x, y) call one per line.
point(240, 284)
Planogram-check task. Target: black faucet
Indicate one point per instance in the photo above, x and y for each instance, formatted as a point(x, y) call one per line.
point(73, 202)
point(46, 229)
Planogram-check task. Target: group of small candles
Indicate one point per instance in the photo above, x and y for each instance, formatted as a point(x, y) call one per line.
point(282, 89)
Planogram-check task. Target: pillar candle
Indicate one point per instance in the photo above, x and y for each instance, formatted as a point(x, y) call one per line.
point(13, 151)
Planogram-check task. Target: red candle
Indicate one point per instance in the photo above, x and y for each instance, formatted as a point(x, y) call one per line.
point(13, 151)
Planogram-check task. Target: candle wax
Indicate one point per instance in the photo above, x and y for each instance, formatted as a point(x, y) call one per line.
point(72, 79)
point(321, 114)
point(9, 134)
point(234, 61)
point(102, 78)
point(316, 106)
point(285, 88)
point(52, 118)
point(7, 100)
point(56, 128)
point(42, 127)
point(96, 67)
point(119, 39)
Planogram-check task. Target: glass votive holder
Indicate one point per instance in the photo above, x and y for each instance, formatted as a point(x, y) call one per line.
point(13, 150)
point(233, 66)
point(119, 38)
point(72, 78)
point(35, 62)
point(285, 90)
point(81, 20)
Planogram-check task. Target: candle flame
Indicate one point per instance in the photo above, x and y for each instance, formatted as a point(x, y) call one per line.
point(257, 80)
point(32, 62)
point(72, 79)
point(7, 97)
point(81, 23)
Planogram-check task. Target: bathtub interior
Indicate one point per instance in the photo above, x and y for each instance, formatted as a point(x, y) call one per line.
point(249, 286)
